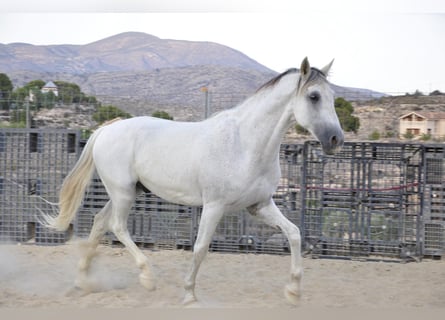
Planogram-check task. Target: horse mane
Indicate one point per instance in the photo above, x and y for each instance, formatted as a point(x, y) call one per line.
point(315, 74)
point(272, 82)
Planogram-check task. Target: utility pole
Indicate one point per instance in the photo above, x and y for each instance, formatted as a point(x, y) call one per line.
point(27, 114)
point(207, 102)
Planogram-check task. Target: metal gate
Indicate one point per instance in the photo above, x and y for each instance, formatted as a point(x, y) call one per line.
point(366, 201)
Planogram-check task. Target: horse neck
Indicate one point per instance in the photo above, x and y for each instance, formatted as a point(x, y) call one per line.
point(265, 118)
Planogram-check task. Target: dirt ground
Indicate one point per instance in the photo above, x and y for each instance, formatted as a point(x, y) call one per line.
point(42, 277)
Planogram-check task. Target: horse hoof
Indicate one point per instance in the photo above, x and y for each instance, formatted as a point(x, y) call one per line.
point(189, 300)
point(147, 282)
point(76, 292)
point(86, 286)
point(292, 294)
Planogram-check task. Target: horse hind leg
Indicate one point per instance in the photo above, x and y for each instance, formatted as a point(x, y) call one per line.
point(88, 248)
point(118, 225)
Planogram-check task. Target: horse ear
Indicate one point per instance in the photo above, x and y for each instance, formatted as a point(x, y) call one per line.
point(305, 68)
point(326, 69)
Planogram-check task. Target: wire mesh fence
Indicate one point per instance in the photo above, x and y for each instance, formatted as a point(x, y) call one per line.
point(370, 201)
point(33, 164)
point(365, 201)
point(434, 200)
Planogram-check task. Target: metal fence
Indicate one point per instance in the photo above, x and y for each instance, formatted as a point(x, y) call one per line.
point(434, 201)
point(365, 201)
point(370, 201)
point(33, 164)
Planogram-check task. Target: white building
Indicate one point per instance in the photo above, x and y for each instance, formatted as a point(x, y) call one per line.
point(50, 86)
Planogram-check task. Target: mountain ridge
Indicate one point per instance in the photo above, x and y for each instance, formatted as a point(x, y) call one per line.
point(139, 72)
point(128, 51)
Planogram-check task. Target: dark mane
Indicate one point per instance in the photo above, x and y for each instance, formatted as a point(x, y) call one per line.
point(315, 73)
point(274, 81)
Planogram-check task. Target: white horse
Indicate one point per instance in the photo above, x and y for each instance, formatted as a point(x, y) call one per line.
point(225, 163)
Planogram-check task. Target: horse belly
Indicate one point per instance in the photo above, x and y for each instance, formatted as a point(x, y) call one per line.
point(174, 194)
point(256, 193)
point(171, 180)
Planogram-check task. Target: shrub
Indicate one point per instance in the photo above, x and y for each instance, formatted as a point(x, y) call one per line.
point(375, 135)
point(408, 135)
point(300, 130)
point(162, 115)
point(344, 110)
point(106, 113)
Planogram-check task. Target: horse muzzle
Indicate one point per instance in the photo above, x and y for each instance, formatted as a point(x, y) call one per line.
point(331, 141)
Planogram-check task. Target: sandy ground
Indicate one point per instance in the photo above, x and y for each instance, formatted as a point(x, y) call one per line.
point(42, 277)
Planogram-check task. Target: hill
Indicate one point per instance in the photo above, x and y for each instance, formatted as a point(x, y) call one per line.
point(141, 73)
point(130, 51)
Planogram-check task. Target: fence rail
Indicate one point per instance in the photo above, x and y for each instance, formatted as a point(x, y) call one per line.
point(370, 201)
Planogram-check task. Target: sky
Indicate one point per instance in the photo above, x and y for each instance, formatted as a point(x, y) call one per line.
point(393, 46)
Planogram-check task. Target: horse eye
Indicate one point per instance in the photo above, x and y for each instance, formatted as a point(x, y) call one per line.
point(314, 97)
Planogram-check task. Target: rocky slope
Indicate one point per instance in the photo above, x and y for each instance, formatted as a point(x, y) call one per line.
point(130, 51)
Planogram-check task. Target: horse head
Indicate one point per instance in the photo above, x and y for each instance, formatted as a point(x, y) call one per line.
point(313, 107)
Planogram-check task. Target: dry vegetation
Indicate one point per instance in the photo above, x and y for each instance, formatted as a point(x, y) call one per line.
point(383, 114)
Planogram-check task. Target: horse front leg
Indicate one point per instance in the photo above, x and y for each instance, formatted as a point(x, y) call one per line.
point(271, 215)
point(210, 217)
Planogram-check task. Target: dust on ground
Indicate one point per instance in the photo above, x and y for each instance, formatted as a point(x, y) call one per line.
point(43, 276)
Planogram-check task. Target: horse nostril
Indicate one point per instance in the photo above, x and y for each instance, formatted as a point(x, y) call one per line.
point(334, 140)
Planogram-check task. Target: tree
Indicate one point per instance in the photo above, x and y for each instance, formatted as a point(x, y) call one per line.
point(37, 84)
point(418, 93)
point(69, 92)
point(5, 91)
point(162, 115)
point(105, 113)
point(47, 100)
point(436, 93)
point(344, 111)
point(18, 97)
point(32, 93)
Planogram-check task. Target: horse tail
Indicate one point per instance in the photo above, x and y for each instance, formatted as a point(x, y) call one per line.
point(73, 188)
